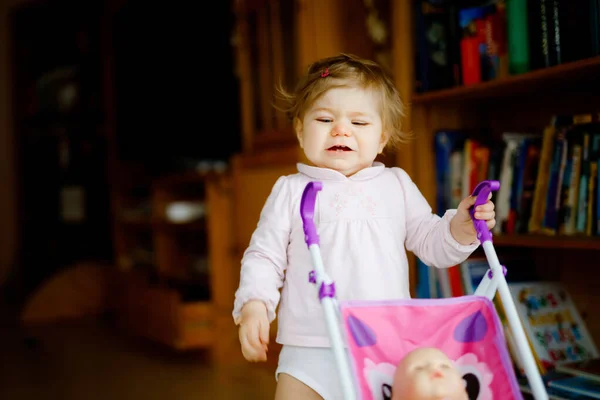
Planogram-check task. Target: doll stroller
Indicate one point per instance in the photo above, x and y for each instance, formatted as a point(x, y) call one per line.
point(378, 334)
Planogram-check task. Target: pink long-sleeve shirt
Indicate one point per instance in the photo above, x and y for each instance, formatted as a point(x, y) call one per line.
point(365, 224)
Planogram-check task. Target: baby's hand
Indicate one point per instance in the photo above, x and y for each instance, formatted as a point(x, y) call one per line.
point(462, 227)
point(254, 331)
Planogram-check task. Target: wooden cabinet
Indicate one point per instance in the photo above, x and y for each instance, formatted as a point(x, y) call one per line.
point(183, 282)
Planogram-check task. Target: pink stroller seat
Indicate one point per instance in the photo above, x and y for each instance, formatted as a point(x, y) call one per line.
point(467, 329)
point(378, 334)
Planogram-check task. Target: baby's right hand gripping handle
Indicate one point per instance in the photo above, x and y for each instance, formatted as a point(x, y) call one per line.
point(482, 192)
point(307, 212)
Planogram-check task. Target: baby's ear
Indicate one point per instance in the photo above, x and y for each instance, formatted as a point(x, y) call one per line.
point(298, 130)
point(384, 139)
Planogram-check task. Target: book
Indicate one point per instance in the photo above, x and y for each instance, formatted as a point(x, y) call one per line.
point(553, 393)
point(552, 323)
point(589, 369)
point(472, 272)
point(577, 385)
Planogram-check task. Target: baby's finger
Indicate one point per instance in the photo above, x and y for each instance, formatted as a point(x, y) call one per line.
point(253, 337)
point(486, 216)
point(250, 352)
point(487, 207)
point(264, 332)
point(491, 224)
point(247, 350)
point(490, 205)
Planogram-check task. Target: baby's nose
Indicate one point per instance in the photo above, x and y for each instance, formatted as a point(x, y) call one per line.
point(340, 129)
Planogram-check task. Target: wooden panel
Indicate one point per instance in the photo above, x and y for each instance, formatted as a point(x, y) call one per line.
point(151, 313)
point(196, 326)
point(244, 74)
point(277, 57)
point(252, 185)
point(404, 77)
point(548, 242)
point(265, 69)
point(227, 349)
point(321, 31)
point(266, 55)
point(359, 43)
point(269, 157)
point(220, 242)
point(253, 179)
point(517, 114)
point(158, 314)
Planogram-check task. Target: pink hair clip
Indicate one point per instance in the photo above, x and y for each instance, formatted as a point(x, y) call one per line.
point(325, 73)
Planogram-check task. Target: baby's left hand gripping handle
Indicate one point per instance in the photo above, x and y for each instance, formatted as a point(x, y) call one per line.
point(307, 212)
point(482, 192)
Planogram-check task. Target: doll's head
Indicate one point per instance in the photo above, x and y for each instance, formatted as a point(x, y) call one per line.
point(427, 374)
point(345, 111)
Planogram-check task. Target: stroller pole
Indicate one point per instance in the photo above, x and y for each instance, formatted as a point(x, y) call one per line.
point(326, 287)
point(482, 192)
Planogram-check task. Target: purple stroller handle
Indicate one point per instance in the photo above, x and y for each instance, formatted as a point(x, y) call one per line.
point(482, 192)
point(307, 212)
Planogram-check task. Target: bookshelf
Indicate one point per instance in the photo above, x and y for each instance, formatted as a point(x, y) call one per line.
point(559, 77)
point(521, 103)
point(547, 242)
point(176, 291)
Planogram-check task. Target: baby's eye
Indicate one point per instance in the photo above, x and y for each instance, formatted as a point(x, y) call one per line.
point(324, 119)
point(360, 123)
point(445, 366)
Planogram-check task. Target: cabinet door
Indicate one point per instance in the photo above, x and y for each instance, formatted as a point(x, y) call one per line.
point(362, 28)
point(276, 40)
point(265, 41)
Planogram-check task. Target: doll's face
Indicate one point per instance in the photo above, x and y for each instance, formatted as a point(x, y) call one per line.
point(427, 374)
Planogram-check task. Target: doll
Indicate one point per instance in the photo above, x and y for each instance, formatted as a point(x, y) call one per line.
point(426, 373)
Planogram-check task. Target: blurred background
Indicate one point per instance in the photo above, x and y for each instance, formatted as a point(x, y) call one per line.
point(138, 143)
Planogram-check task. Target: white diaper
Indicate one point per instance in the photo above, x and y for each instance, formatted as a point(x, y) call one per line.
point(313, 366)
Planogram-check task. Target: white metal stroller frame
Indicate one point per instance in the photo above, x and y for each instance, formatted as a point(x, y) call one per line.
point(493, 281)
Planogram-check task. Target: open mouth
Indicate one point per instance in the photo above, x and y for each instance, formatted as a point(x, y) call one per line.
point(339, 148)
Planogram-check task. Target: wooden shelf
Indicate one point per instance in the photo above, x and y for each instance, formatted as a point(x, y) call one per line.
point(148, 223)
point(548, 242)
point(558, 77)
point(194, 226)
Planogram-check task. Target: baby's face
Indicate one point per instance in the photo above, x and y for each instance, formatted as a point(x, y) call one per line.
point(343, 130)
point(428, 374)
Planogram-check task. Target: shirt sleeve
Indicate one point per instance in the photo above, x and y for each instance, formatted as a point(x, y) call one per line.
point(427, 234)
point(264, 262)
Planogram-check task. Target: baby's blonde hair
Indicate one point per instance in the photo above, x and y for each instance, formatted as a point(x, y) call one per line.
point(341, 71)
